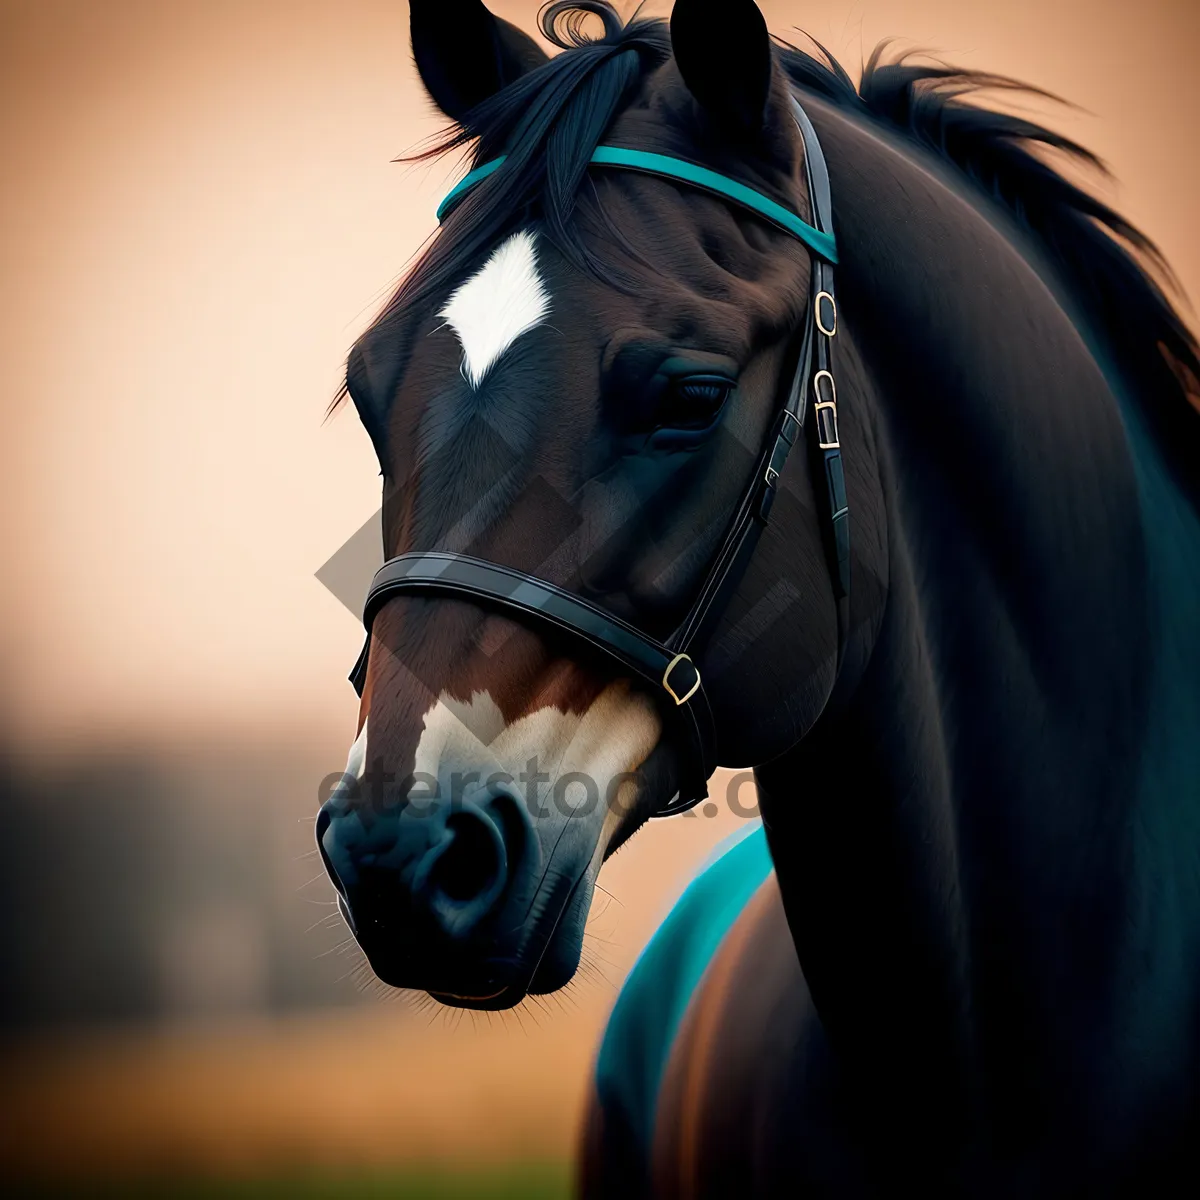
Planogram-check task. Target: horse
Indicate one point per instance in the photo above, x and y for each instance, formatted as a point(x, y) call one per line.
point(961, 949)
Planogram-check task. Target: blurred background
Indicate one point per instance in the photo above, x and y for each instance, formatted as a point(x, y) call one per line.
point(199, 214)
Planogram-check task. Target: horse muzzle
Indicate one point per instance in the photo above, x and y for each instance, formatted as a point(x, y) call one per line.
point(436, 891)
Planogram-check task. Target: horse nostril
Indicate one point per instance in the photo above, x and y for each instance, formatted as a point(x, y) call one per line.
point(474, 863)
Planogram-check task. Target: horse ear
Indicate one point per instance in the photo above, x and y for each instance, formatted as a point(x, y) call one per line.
point(464, 54)
point(723, 52)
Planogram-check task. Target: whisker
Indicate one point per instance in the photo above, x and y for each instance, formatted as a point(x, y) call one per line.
point(327, 920)
point(609, 894)
point(532, 1012)
point(334, 949)
point(516, 1012)
point(358, 966)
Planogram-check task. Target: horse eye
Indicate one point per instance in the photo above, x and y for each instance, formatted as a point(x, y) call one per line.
point(704, 393)
point(692, 402)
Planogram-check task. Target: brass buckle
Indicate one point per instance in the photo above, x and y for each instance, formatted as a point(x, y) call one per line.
point(667, 676)
point(831, 329)
point(831, 405)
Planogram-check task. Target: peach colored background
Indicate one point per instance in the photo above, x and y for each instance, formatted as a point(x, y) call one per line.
point(199, 214)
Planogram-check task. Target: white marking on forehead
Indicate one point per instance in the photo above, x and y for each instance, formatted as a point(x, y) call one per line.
point(502, 300)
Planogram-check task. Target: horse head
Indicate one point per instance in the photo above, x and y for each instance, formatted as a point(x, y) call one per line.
point(575, 382)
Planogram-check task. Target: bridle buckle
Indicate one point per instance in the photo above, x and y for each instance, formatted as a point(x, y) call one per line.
point(825, 412)
point(830, 329)
point(666, 680)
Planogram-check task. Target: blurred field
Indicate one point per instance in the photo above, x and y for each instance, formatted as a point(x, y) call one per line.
point(352, 1091)
point(181, 1006)
point(530, 1182)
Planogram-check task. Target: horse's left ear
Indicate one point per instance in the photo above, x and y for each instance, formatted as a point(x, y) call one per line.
point(723, 52)
point(464, 54)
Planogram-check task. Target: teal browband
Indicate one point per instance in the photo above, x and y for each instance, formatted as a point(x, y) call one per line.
point(820, 243)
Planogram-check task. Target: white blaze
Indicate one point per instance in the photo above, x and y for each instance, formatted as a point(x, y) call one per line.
point(356, 760)
point(613, 737)
point(502, 300)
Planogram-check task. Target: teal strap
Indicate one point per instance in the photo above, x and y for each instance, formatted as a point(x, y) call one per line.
point(465, 184)
point(651, 1006)
point(819, 243)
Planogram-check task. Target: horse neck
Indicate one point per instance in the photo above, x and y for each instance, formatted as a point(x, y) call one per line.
point(953, 845)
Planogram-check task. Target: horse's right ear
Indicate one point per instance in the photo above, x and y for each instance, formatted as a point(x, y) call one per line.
point(464, 54)
point(723, 51)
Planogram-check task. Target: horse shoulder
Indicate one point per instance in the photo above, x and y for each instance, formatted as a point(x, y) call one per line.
point(751, 1099)
point(648, 1013)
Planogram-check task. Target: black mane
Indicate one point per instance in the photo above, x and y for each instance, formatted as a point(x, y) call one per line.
point(1113, 271)
point(550, 121)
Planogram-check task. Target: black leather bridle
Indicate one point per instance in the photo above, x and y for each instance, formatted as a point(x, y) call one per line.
point(668, 665)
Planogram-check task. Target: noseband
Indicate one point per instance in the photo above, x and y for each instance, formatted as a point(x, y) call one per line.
point(667, 666)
